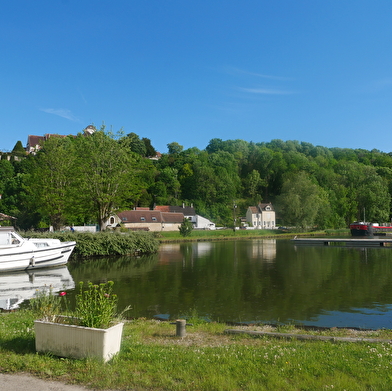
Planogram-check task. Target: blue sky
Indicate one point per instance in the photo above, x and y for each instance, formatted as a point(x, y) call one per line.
point(189, 71)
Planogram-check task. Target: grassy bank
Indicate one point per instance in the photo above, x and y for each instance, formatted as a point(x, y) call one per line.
point(153, 358)
point(229, 234)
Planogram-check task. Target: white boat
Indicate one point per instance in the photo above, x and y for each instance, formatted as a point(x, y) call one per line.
point(17, 253)
point(16, 287)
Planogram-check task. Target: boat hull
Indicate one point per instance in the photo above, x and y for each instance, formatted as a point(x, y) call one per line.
point(361, 229)
point(30, 259)
point(17, 253)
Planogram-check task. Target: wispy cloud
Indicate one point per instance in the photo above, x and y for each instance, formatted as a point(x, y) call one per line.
point(64, 113)
point(266, 91)
point(233, 70)
point(82, 96)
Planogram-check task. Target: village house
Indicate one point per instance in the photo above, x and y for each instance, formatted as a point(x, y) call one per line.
point(143, 219)
point(189, 213)
point(261, 216)
point(161, 218)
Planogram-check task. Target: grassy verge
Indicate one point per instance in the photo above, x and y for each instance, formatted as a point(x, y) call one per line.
point(227, 234)
point(153, 358)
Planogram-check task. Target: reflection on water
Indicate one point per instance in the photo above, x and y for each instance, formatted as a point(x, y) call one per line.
point(17, 287)
point(264, 249)
point(267, 281)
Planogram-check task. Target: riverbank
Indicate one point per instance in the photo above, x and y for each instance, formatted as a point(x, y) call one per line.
point(132, 243)
point(229, 234)
point(207, 358)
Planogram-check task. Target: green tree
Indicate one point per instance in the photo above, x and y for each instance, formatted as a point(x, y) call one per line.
point(174, 148)
point(253, 183)
point(51, 180)
point(185, 228)
point(107, 176)
point(18, 150)
point(135, 144)
point(150, 150)
point(300, 201)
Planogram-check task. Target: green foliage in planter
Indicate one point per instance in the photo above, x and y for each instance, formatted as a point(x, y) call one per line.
point(46, 304)
point(96, 305)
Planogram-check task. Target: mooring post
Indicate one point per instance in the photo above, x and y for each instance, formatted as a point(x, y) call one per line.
point(180, 327)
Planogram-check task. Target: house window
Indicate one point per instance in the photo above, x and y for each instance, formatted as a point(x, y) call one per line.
point(154, 218)
point(142, 218)
point(124, 219)
point(112, 220)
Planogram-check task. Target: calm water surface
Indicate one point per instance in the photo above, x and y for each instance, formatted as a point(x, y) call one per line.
point(271, 281)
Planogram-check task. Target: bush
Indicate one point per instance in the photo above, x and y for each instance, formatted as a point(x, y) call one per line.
point(105, 243)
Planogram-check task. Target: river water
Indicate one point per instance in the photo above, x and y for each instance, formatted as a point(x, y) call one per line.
point(261, 280)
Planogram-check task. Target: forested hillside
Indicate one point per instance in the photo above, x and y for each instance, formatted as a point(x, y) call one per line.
point(76, 180)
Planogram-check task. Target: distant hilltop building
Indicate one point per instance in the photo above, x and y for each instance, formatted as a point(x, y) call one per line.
point(34, 142)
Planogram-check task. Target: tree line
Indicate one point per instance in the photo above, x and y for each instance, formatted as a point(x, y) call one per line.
point(83, 179)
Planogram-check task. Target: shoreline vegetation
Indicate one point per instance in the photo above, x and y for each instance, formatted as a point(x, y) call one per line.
point(109, 243)
point(105, 243)
point(230, 234)
point(209, 357)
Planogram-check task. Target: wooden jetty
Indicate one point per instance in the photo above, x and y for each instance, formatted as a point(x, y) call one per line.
point(358, 242)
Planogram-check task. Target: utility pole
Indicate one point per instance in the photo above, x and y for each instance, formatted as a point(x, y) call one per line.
point(234, 214)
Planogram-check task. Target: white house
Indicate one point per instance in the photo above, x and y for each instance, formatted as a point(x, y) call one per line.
point(189, 213)
point(261, 216)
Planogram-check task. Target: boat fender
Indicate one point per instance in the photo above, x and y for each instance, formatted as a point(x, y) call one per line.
point(32, 261)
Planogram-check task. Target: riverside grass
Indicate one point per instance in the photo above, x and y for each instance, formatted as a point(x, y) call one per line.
point(229, 234)
point(153, 358)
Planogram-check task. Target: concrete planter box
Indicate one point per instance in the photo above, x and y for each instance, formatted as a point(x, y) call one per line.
point(66, 340)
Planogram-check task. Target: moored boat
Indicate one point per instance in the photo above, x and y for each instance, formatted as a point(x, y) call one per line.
point(17, 253)
point(360, 228)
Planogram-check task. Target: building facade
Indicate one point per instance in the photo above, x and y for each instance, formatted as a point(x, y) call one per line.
point(261, 216)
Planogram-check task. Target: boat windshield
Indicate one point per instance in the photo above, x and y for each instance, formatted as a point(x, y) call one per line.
point(15, 239)
point(9, 238)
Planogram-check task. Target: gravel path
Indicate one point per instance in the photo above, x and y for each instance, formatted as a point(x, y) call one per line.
point(24, 382)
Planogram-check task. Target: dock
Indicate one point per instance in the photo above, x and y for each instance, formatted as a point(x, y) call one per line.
point(349, 242)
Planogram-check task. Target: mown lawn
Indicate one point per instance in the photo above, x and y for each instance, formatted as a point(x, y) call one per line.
point(153, 358)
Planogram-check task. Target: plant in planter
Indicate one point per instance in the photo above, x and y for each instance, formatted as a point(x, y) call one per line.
point(92, 331)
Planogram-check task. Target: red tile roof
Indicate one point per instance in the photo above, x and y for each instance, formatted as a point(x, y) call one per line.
point(149, 216)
